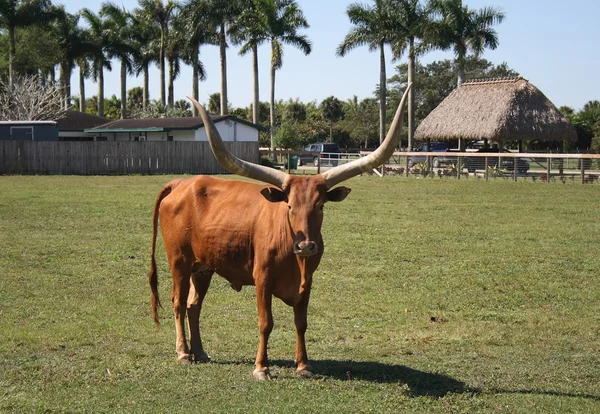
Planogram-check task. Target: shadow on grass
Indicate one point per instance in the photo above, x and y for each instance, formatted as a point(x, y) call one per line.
point(419, 383)
point(549, 393)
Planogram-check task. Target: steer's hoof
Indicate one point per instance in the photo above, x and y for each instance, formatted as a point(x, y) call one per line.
point(261, 375)
point(202, 358)
point(185, 360)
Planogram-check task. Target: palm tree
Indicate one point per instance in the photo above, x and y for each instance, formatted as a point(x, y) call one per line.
point(413, 17)
point(332, 111)
point(196, 30)
point(176, 47)
point(161, 13)
point(101, 60)
point(85, 71)
point(145, 35)
point(214, 103)
point(22, 13)
point(250, 30)
point(464, 30)
point(222, 14)
point(74, 46)
point(118, 26)
point(373, 27)
point(173, 58)
point(284, 18)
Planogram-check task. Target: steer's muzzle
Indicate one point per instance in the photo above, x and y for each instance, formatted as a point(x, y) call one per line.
point(305, 248)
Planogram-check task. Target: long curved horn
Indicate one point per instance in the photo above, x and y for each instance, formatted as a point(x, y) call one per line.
point(230, 162)
point(375, 159)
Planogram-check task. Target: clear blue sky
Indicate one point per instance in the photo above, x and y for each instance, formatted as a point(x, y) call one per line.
point(554, 44)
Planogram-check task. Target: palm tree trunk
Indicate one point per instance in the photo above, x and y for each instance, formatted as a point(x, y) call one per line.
point(460, 60)
point(123, 90)
point(272, 110)
point(256, 100)
point(382, 93)
point(195, 82)
point(12, 57)
point(67, 83)
point(81, 90)
point(101, 91)
point(61, 77)
point(171, 99)
point(461, 76)
point(411, 96)
point(162, 68)
point(146, 97)
point(223, 52)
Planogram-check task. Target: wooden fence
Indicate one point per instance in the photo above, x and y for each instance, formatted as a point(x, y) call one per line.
point(116, 158)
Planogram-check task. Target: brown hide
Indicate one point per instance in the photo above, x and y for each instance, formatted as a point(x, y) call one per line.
point(247, 233)
point(231, 228)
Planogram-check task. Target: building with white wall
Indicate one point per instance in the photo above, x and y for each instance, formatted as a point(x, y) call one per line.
point(230, 128)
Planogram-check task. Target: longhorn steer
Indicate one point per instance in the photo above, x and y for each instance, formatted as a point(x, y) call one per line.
point(250, 234)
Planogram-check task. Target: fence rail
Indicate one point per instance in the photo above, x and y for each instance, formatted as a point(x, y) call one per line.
point(515, 165)
point(116, 158)
point(489, 164)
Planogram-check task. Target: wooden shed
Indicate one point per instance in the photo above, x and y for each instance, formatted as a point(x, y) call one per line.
point(28, 131)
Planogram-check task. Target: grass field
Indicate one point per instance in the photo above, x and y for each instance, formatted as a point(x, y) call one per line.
point(432, 296)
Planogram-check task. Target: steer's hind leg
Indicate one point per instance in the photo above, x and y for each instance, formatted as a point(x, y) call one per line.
point(200, 282)
point(181, 286)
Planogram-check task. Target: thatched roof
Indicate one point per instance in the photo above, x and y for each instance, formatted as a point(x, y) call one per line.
point(496, 109)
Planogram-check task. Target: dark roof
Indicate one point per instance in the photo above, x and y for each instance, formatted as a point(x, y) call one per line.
point(78, 121)
point(496, 109)
point(164, 124)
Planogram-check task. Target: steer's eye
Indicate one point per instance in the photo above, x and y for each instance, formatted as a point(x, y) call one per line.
point(290, 208)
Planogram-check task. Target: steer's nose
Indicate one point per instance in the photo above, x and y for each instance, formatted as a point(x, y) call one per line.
point(305, 248)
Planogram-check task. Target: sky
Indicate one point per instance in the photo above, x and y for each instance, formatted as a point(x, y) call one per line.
point(554, 44)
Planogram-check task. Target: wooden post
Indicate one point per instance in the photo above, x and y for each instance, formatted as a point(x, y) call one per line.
point(561, 161)
point(428, 158)
point(582, 170)
point(459, 165)
point(515, 159)
point(548, 165)
point(289, 163)
point(485, 165)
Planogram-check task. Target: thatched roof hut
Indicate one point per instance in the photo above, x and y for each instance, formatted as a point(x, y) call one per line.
point(498, 109)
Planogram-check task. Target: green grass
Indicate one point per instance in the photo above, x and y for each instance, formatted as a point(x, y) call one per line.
point(510, 270)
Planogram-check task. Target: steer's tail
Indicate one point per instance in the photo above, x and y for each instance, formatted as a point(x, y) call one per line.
point(153, 274)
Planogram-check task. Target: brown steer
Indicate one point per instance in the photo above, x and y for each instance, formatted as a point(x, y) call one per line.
point(250, 234)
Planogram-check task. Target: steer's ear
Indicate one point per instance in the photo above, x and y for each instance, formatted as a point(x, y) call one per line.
point(338, 193)
point(274, 195)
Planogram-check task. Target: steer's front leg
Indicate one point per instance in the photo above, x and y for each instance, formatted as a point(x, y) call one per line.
point(301, 322)
point(265, 326)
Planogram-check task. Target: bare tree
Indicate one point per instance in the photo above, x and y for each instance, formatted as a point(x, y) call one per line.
point(30, 100)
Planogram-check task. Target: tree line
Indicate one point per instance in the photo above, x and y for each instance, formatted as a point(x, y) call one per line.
point(40, 36)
